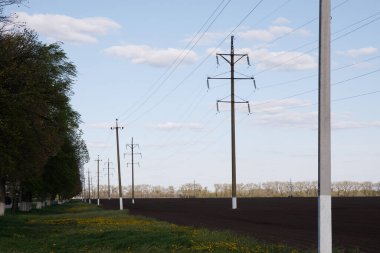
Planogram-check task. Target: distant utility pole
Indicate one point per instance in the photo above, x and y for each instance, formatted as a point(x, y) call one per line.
point(291, 188)
point(92, 187)
point(230, 59)
point(132, 147)
point(324, 130)
point(118, 163)
point(89, 187)
point(98, 160)
point(194, 188)
point(84, 188)
point(108, 172)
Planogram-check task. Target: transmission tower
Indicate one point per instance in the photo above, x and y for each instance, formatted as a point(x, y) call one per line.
point(232, 59)
point(118, 162)
point(132, 147)
point(108, 173)
point(98, 160)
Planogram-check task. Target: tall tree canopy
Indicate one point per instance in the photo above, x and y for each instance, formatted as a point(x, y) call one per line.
point(41, 149)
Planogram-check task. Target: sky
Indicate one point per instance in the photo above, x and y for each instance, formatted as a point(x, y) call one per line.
point(147, 62)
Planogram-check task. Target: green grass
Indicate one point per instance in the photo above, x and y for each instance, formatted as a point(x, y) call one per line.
point(78, 227)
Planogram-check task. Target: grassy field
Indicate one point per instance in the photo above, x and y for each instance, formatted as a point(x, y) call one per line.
point(78, 227)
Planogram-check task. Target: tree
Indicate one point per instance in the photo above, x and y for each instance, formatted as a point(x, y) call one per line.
point(39, 131)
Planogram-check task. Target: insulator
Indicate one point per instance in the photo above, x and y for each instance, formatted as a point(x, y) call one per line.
point(208, 83)
point(254, 82)
point(217, 106)
point(249, 64)
point(217, 60)
point(249, 108)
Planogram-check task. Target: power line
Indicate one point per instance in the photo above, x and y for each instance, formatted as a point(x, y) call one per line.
point(313, 90)
point(190, 111)
point(204, 60)
point(295, 95)
point(311, 50)
point(198, 66)
point(176, 63)
point(315, 75)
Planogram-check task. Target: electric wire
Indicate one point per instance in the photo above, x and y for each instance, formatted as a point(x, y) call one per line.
point(177, 64)
point(177, 58)
point(196, 68)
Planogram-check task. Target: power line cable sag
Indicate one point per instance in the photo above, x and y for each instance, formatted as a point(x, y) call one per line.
point(197, 67)
point(177, 58)
point(265, 17)
point(177, 64)
point(311, 50)
point(241, 23)
point(313, 90)
point(211, 53)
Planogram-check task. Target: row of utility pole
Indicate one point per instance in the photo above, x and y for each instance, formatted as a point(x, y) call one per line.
point(132, 147)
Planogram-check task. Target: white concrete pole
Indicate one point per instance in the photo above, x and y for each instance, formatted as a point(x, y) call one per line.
point(324, 131)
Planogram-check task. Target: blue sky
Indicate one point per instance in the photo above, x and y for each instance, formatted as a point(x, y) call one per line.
point(126, 52)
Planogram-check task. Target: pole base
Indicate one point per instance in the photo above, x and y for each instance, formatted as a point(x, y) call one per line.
point(234, 203)
point(324, 224)
point(121, 203)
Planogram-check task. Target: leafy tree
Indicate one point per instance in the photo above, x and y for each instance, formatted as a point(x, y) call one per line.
point(38, 127)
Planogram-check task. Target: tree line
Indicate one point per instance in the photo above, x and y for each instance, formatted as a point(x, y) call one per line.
point(268, 189)
point(42, 152)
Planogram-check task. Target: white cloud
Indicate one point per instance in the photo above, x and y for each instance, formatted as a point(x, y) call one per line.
point(283, 60)
point(265, 35)
point(176, 126)
point(143, 54)
point(280, 20)
point(66, 28)
point(359, 52)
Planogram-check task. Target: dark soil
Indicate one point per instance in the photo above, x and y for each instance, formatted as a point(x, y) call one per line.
point(293, 221)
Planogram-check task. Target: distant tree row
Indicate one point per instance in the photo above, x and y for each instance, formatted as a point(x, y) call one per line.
point(41, 147)
point(268, 189)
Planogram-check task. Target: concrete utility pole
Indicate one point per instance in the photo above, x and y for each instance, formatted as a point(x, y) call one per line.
point(232, 63)
point(324, 131)
point(118, 163)
point(98, 160)
point(84, 189)
point(92, 187)
point(108, 172)
point(89, 187)
point(132, 147)
point(194, 188)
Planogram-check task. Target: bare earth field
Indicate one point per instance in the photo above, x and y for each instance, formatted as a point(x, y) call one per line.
point(356, 221)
